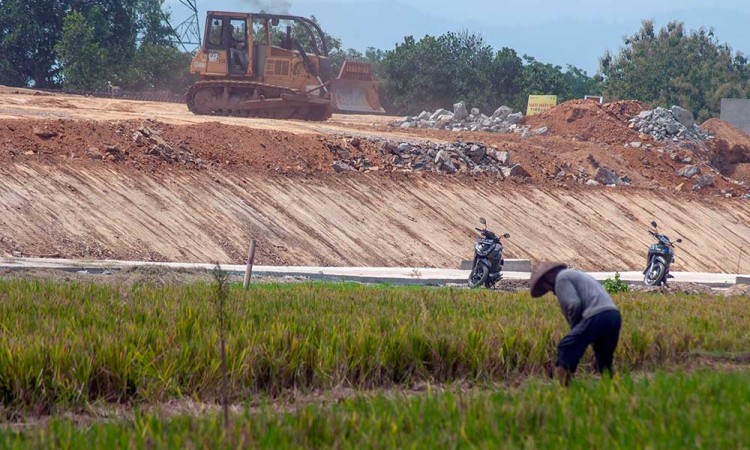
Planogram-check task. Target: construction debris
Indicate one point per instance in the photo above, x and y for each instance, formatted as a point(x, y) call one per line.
point(156, 146)
point(676, 123)
point(454, 158)
point(503, 120)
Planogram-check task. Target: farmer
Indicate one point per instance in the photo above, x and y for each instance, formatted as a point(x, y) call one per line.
point(590, 312)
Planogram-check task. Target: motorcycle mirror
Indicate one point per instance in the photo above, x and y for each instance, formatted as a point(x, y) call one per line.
point(482, 221)
point(653, 223)
point(679, 240)
point(506, 235)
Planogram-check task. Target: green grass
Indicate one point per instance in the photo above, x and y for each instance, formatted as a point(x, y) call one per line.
point(700, 410)
point(63, 346)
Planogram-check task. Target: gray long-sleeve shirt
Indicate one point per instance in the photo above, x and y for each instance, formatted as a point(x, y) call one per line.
point(581, 296)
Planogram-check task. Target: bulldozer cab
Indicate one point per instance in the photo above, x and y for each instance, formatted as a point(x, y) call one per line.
point(225, 49)
point(227, 43)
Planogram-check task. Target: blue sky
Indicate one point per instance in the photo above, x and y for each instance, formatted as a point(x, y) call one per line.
point(573, 32)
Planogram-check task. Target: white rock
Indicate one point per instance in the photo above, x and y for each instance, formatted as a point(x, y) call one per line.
point(439, 113)
point(459, 111)
point(424, 115)
point(514, 118)
point(502, 112)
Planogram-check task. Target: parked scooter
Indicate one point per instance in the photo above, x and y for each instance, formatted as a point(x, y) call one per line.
point(488, 258)
point(660, 257)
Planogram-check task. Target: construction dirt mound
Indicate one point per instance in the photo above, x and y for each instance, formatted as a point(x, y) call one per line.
point(157, 147)
point(624, 110)
point(731, 149)
point(586, 120)
point(154, 146)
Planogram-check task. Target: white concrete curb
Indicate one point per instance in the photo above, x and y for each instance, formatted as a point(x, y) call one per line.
point(396, 275)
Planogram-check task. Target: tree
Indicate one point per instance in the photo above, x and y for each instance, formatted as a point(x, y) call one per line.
point(83, 61)
point(580, 83)
point(116, 31)
point(29, 30)
point(541, 78)
point(152, 22)
point(123, 41)
point(435, 72)
point(411, 71)
point(157, 63)
point(159, 67)
point(507, 76)
point(672, 66)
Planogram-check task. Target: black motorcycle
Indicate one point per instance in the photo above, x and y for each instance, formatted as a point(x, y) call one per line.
point(488, 258)
point(660, 257)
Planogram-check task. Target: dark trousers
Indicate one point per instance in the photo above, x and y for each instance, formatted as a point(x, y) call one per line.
point(601, 330)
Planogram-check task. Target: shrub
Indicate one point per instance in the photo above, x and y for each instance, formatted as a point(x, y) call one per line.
point(616, 285)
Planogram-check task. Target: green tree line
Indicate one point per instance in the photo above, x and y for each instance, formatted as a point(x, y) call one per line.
point(85, 44)
point(671, 66)
point(675, 66)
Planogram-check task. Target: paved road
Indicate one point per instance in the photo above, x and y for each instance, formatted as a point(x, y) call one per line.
point(395, 275)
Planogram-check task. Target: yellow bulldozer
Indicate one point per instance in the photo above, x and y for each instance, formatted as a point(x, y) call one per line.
point(249, 68)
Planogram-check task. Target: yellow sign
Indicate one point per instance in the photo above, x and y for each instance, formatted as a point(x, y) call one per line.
point(540, 103)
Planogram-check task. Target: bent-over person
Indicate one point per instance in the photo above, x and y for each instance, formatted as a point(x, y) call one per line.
point(592, 315)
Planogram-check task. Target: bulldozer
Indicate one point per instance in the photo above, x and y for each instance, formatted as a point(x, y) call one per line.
point(249, 68)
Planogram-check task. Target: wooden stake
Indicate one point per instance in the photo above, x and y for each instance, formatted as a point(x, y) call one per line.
point(249, 270)
point(224, 387)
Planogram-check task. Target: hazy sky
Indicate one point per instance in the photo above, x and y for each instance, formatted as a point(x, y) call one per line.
point(561, 32)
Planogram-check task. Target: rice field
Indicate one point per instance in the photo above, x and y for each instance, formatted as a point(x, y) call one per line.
point(64, 346)
point(704, 409)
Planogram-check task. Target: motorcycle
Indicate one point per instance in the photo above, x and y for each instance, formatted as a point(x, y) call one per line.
point(488, 258)
point(660, 257)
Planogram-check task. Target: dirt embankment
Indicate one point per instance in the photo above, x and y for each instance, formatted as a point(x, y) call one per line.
point(170, 190)
point(730, 149)
point(337, 220)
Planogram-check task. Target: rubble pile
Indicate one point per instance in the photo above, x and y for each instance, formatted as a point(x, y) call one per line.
point(602, 175)
point(695, 174)
point(453, 158)
point(503, 120)
point(676, 123)
point(155, 145)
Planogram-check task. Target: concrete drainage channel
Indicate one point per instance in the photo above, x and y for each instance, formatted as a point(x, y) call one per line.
point(516, 270)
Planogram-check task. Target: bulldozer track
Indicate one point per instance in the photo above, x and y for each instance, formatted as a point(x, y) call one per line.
point(270, 106)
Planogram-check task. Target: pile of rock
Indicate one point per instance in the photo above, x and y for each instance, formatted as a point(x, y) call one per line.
point(155, 145)
point(453, 158)
point(700, 180)
point(503, 120)
point(603, 176)
point(676, 123)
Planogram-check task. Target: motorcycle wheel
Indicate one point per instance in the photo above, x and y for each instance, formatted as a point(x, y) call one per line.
point(655, 274)
point(478, 276)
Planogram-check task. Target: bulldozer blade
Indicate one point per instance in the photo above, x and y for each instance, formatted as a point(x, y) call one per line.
point(355, 97)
